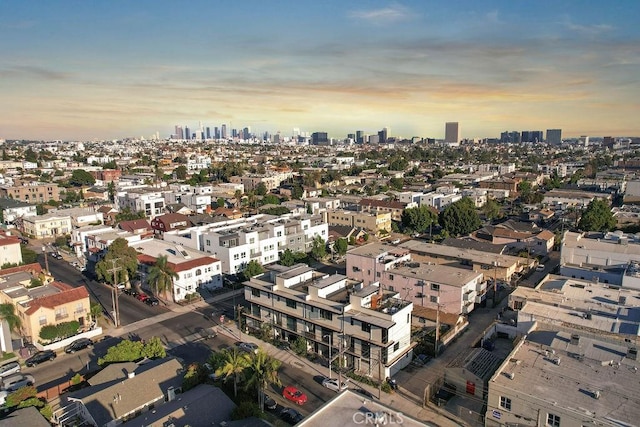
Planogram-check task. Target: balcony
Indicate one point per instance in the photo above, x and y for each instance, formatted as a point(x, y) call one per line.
point(61, 316)
point(310, 335)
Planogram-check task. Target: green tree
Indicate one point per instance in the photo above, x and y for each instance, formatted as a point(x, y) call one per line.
point(396, 183)
point(261, 189)
point(341, 245)
point(111, 191)
point(127, 215)
point(124, 351)
point(120, 254)
point(492, 210)
point(153, 349)
point(28, 256)
point(418, 219)
point(270, 199)
point(180, 172)
point(299, 346)
point(161, 276)
point(276, 210)
point(220, 202)
point(597, 216)
point(80, 177)
point(110, 165)
point(287, 258)
point(263, 370)
point(196, 374)
point(233, 367)
point(460, 218)
point(30, 155)
point(319, 248)
point(252, 269)
point(95, 310)
point(41, 209)
point(9, 315)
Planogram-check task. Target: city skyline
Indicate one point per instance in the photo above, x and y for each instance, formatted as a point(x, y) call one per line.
point(76, 70)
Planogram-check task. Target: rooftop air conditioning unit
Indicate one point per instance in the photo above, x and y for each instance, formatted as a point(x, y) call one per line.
point(632, 353)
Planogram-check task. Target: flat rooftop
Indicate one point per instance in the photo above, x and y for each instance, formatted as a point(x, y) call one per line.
point(585, 368)
point(374, 250)
point(476, 256)
point(442, 274)
point(351, 409)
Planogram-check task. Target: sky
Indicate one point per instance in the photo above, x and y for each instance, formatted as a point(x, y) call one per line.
point(83, 70)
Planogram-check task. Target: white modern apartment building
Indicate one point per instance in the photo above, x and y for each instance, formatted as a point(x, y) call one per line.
point(147, 200)
point(261, 238)
point(364, 326)
point(199, 203)
point(195, 269)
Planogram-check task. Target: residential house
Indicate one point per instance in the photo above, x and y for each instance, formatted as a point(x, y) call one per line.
point(49, 225)
point(10, 252)
point(374, 324)
point(109, 214)
point(169, 222)
point(13, 209)
point(384, 206)
point(82, 216)
point(150, 201)
point(136, 226)
point(374, 222)
point(195, 269)
point(563, 199)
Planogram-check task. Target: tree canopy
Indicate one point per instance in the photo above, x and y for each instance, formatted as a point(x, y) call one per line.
point(120, 254)
point(252, 269)
point(319, 248)
point(597, 216)
point(460, 218)
point(418, 219)
point(80, 177)
point(161, 276)
point(129, 351)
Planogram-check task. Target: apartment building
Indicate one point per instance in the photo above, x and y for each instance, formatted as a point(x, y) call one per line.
point(562, 199)
point(49, 304)
point(271, 180)
point(366, 327)
point(31, 192)
point(46, 226)
point(13, 209)
point(384, 206)
point(373, 222)
point(198, 202)
point(367, 263)
point(322, 204)
point(195, 269)
point(261, 238)
point(10, 252)
point(81, 217)
point(148, 200)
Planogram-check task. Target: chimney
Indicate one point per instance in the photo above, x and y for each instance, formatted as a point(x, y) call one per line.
point(131, 374)
point(575, 339)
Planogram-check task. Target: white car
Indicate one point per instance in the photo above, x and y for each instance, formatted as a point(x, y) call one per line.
point(332, 384)
point(17, 381)
point(9, 369)
point(540, 267)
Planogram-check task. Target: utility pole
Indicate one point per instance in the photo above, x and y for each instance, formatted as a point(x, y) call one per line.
point(380, 374)
point(435, 350)
point(46, 260)
point(115, 295)
point(330, 342)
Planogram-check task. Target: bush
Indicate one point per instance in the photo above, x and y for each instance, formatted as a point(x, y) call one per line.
point(130, 351)
point(60, 331)
point(299, 346)
point(245, 410)
point(196, 374)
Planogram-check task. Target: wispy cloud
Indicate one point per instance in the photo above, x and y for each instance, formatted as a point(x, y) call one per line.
point(386, 15)
point(592, 30)
point(36, 72)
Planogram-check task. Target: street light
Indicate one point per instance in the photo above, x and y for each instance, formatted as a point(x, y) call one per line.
point(329, 336)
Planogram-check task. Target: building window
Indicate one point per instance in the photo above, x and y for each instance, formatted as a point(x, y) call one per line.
point(391, 277)
point(255, 292)
point(291, 303)
point(396, 346)
point(366, 327)
point(435, 287)
point(433, 299)
point(42, 320)
point(505, 403)
point(553, 420)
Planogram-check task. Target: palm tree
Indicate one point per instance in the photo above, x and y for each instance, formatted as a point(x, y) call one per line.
point(161, 276)
point(263, 370)
point(96, 311)
point(8, 314)
point(233, 366)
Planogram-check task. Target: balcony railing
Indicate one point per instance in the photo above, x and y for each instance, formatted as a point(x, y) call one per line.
point(62, 316)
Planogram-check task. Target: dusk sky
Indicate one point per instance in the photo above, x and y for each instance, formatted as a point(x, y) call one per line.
point(111, 69)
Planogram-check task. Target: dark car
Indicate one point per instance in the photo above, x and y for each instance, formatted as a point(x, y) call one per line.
point(269, 403)
point(78, 345)
point(151, 301)
point(291, 416)
point(39, 357)
point(132, 292)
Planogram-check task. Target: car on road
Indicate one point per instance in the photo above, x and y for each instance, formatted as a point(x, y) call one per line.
point(249, 347)
point(9, 369)
point(293, 394)
point(364, 393)
point(333, 384)
point(131, 292)
point(291, 416)
point(152, 301)
point(540, 267)
point(142, 297)
point(77, 345)
point(39, 357)
point(270, 403)
point(17, 381)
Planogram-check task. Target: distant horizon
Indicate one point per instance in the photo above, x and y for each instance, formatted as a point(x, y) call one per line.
point(72, 70)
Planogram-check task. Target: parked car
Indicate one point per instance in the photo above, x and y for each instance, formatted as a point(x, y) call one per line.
point(17, 381)
point(9, 369)
point(249, 347)
point(151, 301)
point(77, 345)
point(39, 357)
point(540, 267)
point(283, 345)
point(333, 384)
point(142, 297)
point(270, 403)
point(132, 292)
point(291, 416)
point(293, 394)
point(364, 393)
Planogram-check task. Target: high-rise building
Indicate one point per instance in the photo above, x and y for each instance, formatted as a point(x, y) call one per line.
point(223, 132)
point(451, 132)
point(216, 132)
point(382, 136)
point(532, 136)
point(179, 132)
point(208, 132)
point(319, 138)
point(359, 136)
point(187, 133)
point(510, 137)
point(554, 136)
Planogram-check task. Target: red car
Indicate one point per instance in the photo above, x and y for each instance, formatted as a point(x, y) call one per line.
point(293, 394)
point(142, 297)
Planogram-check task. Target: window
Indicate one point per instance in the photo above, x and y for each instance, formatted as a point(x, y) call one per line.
point(435, 287)
point(505, 403)
point(396, 346)
point(366, 327)
point(391, 277)
point(255, 292)
point(553, 420)
point(291, 303)
point(42, 320)
point(433, 299)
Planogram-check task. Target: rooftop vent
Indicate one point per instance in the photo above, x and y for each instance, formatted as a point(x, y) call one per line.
point(632, 353)
point(575, 339)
